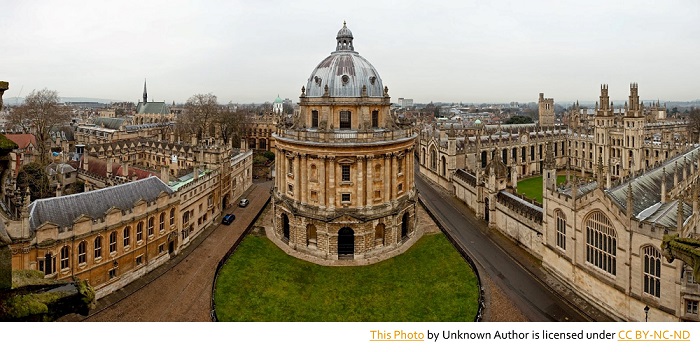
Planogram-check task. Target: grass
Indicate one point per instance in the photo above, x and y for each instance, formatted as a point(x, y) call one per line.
point(429, 282)
point(532, 187)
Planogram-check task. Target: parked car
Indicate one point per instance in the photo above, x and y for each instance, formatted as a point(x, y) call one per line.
point(243, 203)
point(228, 219)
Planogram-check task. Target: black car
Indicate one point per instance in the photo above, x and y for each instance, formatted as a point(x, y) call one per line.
point(228, 219)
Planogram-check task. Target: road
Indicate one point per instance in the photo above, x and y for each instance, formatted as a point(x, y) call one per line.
point(181, 289)
point(519, 275)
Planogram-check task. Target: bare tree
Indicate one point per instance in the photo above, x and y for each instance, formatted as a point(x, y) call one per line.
point(40, 112)
point(201, 113)
point(230, 122)
point(694, 123)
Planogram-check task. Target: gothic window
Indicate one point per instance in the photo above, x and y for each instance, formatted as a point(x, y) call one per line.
point(113, 242)
point(483, 159)
point(422, 156)
point(98, 247)
point(561, 229)
point(65, 258)
point(314, 118)
point(601, 243)
point(345, 120)
point(433, 159)
point(345, 173)
point(652, 271)
point(522, 154)
point(504, 156)
point(82, 252)
point(444, 166)
point(532, 152)
point(375, 119)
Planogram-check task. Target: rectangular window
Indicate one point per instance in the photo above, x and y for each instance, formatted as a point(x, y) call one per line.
point(377, 194)
point(161, 248)
point(113, 242)
point(375, 119)
point(314, 118)
point(139, 260)
point(345, 173)
point(290, 188)
point(345, 197)
point(400, 187)
point(345, 120)
point(112, 273)
point(691, 307)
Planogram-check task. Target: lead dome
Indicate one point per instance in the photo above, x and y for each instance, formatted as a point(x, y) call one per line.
point(344, 72)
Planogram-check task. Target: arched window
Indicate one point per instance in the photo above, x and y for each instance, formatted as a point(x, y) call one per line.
point(113, 242)
point(161, 221)
point(127, 236)
point(561, 229)
point(151, 223)
point(65, 257)
point(444, 166)
point(652, 271)
point(98, 247)
point(311, 239)
point(139, 231)
point(433, 159)
point(601, 243)
point(422, 156)
point(82, 252)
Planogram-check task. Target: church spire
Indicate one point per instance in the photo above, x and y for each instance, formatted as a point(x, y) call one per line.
point(145, 95)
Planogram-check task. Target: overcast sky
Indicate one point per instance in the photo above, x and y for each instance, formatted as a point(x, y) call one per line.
point(449, 51)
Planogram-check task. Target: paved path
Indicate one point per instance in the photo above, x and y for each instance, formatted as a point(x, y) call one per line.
point(181, 289)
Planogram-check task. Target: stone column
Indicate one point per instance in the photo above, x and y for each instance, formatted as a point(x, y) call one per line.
point(322, 180)
point(359, 181)
point(370, 181)
point(297, 176)
point(331, 183)
point(304, 178)
point(387, 177)
point(395, 172)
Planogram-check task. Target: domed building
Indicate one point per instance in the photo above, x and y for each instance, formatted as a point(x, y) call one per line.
point(344, 169)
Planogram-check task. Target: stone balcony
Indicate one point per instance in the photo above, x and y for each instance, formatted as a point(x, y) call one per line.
point(378, 136)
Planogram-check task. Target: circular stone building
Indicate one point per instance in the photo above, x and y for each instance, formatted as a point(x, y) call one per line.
point(344, 168)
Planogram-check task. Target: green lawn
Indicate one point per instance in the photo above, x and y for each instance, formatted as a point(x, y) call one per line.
point(429, 282)
point(532, 187)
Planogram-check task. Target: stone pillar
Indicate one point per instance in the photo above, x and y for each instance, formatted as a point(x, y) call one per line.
point(304, 178)
point(370, 181)
point(297, 176)
point(331, 183)
point(395, 173)
point(359, 181)
point(322, 180)
point(387, 177)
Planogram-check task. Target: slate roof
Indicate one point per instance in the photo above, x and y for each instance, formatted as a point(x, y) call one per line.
point(113, 123)
point(63, 211)
point(152, 107)
point(646, 191)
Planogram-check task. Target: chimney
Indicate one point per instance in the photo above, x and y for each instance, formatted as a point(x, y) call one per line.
point(196, 173)
point(125, 171)
point(109, 168)
point(85, 162)
point(164, 173)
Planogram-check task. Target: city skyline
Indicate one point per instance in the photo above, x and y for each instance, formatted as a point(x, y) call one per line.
point(451, 51)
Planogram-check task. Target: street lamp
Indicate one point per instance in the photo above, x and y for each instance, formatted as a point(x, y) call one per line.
point(646, 313)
